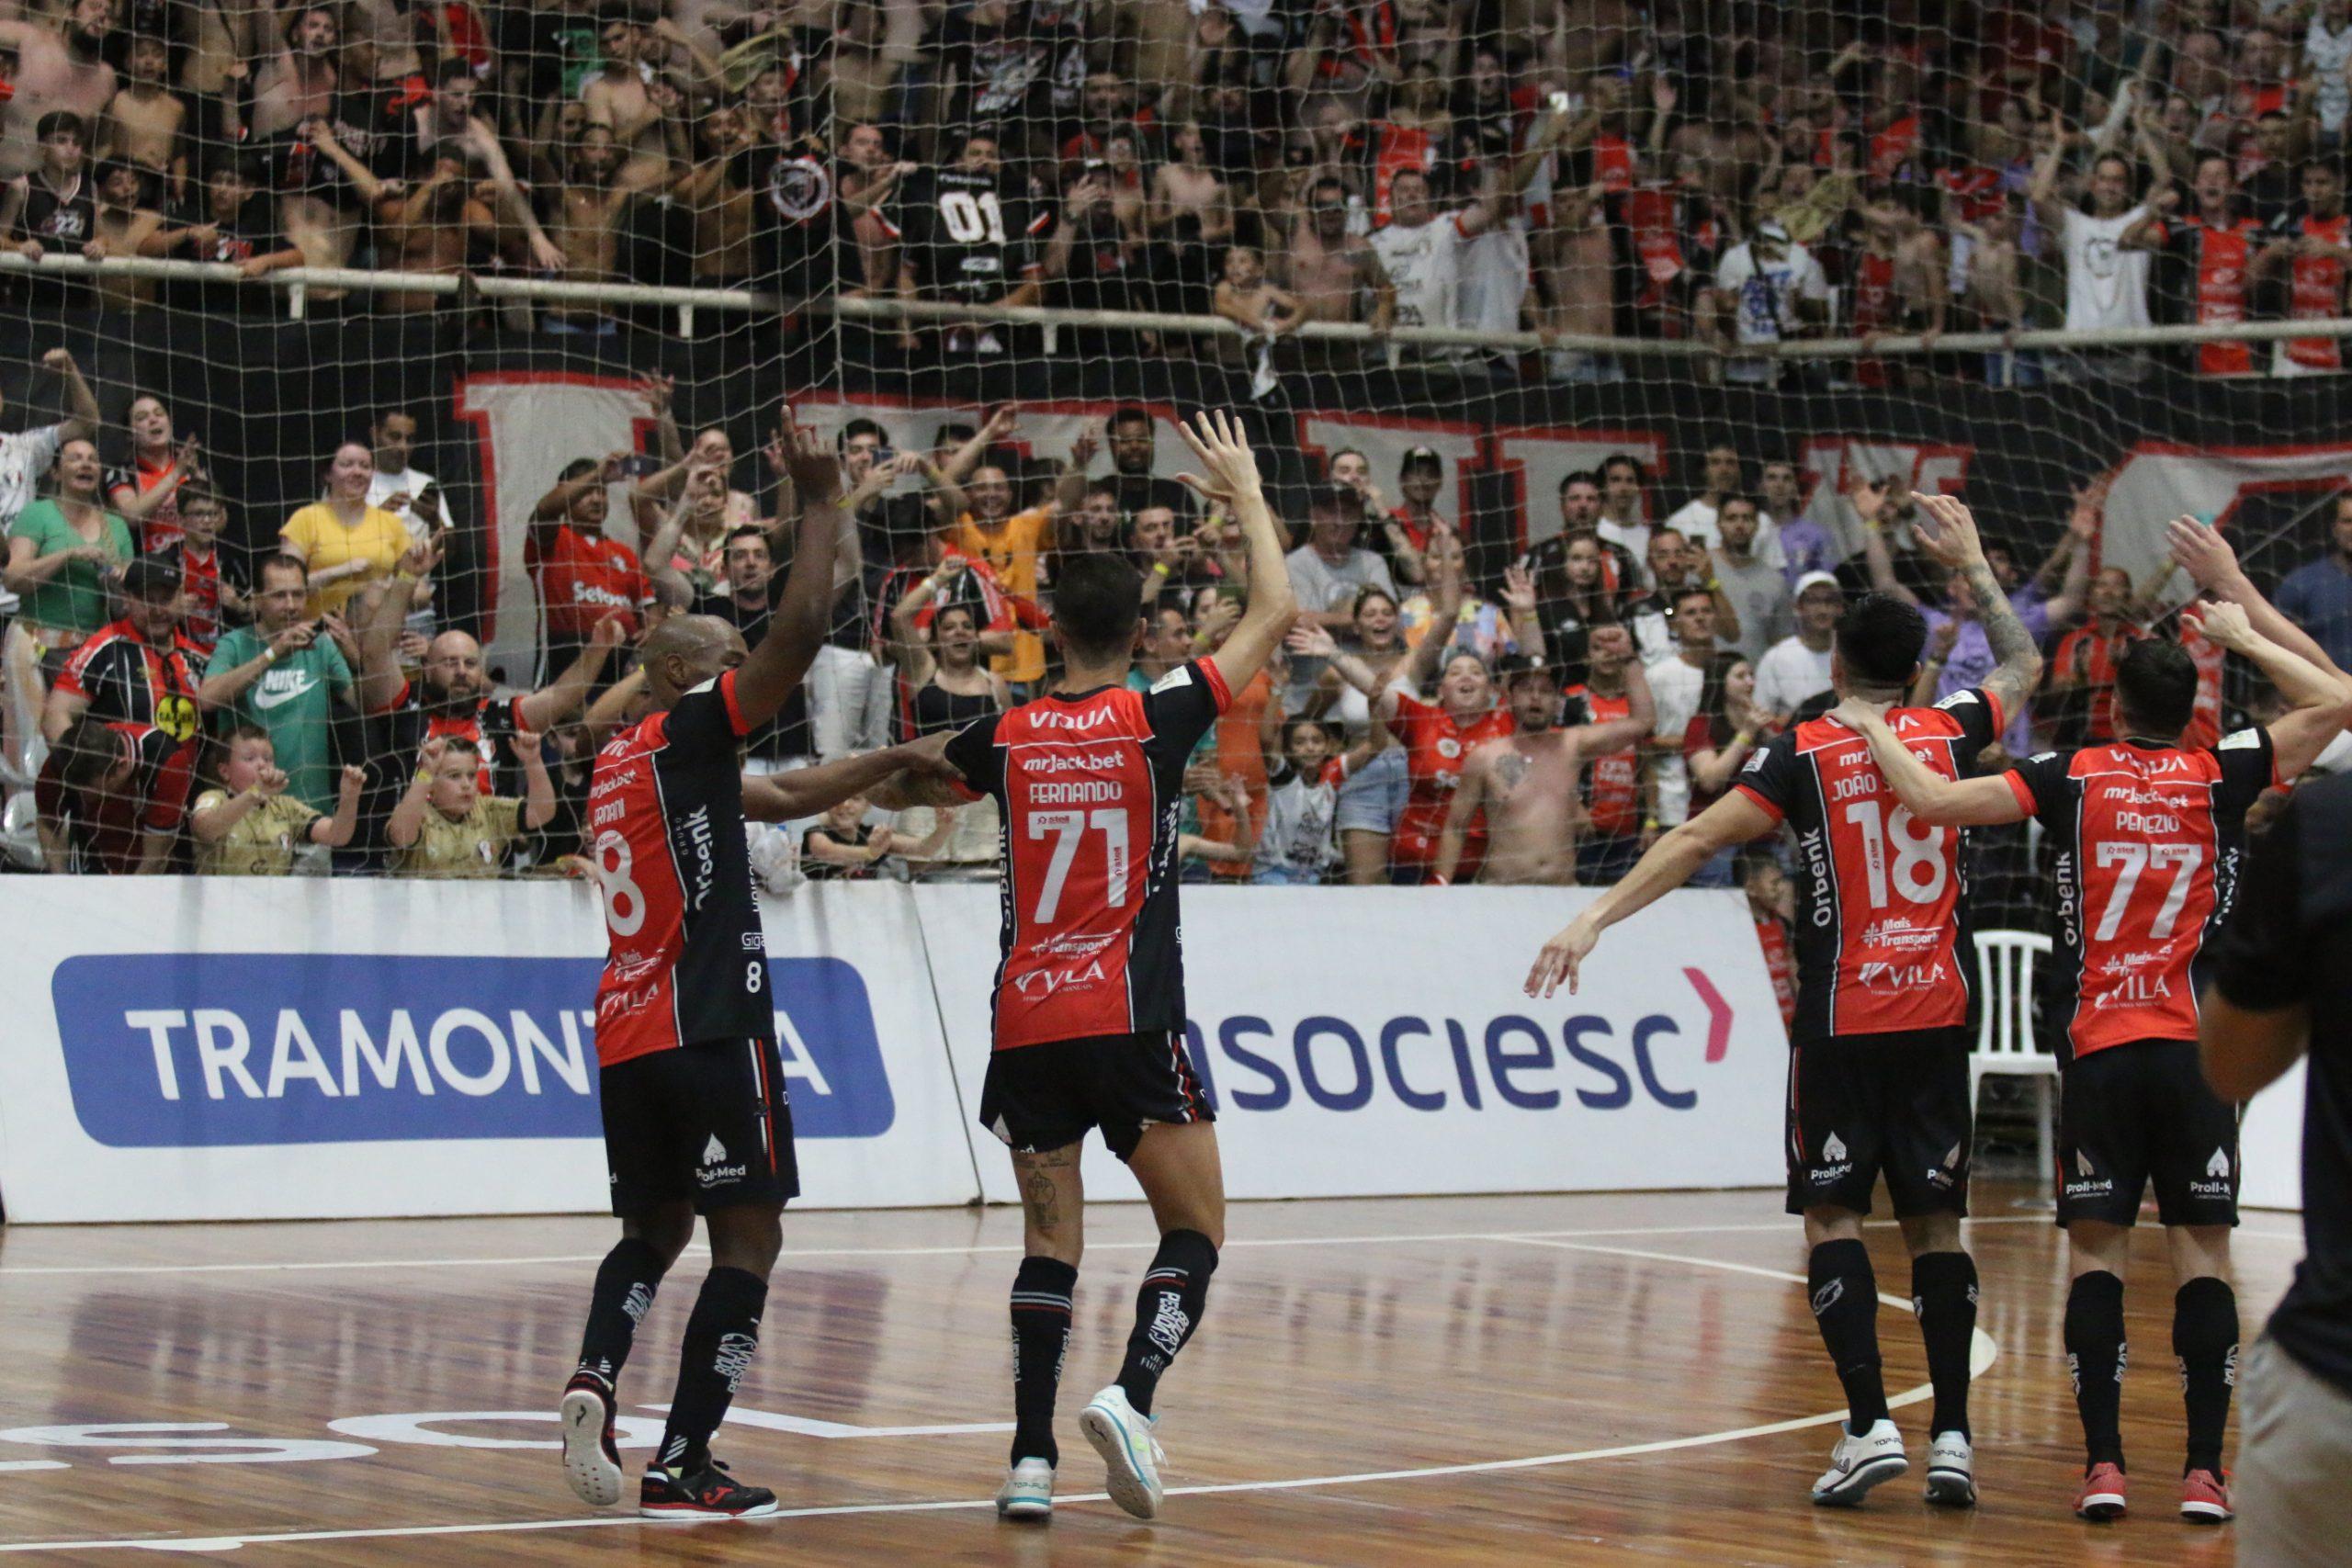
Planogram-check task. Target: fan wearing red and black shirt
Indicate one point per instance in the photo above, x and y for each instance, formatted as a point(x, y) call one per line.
point(2082, 665)
point(2312, 242)
point(1878, 1060)
point(2148, 838)
point(582, 574)
point(691, 1090)
point(139, 669)
point(2207, 261)
point(1090, 995)
point(111, 798)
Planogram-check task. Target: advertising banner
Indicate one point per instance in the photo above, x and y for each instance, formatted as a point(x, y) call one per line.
point(1375, 1042)
point(257, 1049)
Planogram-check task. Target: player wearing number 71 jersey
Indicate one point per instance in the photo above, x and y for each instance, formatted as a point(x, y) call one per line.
point(1878, 1060)
point(1090, 995)
point(2148, 838)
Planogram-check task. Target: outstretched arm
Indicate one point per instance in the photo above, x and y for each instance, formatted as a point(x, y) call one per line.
point(777, 797)
point(1232, 483)
point(1952, 543)
point(768, 678)
point(1669, 862)
point(2213, 565)
point(1926, 795)
point(2320, 705)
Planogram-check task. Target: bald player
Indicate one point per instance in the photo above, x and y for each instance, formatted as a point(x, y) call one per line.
point(1526, 782)
point(690, 1087)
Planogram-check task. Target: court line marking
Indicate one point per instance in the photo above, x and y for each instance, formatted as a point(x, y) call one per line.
point(972, 1248)
point(1981, 1354)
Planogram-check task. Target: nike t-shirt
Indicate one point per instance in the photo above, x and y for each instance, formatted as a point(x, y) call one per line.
point(294, 700)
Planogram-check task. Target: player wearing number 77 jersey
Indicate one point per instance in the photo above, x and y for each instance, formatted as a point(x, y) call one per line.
point(2147, 837)
point(690, 1087)
point(1878, 1060)
point(1090, 995)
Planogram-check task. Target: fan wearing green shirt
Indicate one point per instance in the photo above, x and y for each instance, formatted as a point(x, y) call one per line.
point(286, 675)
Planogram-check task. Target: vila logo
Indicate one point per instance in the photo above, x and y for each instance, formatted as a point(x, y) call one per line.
point(175, 1050)
point(2219, 1166)
point(1832, 1148)
point(714, 1151)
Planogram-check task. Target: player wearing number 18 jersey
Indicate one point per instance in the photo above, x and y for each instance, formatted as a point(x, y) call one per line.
point(2148, 838)
point(1878, 1062)
point(690, 1087)
point(1088, 999)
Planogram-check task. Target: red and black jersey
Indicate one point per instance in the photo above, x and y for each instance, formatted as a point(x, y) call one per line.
point(1090, 787)
point(104, 828)
point(1773, 936)
point(488, 726)
point(2148, 841)
point(1612, 782)
point(688, 961)
point(2315, 286)
point(1881, 899)
point(1436, 745)
point(129, 680)
point(1876, 309)
point(134, 479)
point(2210, 267)
point(201, 577)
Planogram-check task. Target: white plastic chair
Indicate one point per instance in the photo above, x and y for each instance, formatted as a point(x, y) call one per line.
point(2004, 1042)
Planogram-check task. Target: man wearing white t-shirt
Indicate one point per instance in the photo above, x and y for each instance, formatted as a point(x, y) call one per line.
point(1425, 251)
point(1768, 288)
point(1797, 667)
point(425, 511)
point(2327, 49)
point(2107, 285)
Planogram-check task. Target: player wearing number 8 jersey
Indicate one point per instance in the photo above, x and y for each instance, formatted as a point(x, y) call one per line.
point(1090, 995)
point(690, 1087)
point(2148, 838)
point(1878, 1062)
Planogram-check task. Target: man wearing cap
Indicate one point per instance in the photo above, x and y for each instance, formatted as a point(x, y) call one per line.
point(1768, 288)
point(1797, 667)
point(139, 670)
point(1526, 783)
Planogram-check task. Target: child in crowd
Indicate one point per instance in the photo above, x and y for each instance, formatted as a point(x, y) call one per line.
point(444, 825)
point(841, 846)
point(251, 826)
point(1298, 846)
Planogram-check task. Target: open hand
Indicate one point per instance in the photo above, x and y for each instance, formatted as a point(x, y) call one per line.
point(2222, 623)
point(1216, 439)
point(2201, 552)
point(1948, 532)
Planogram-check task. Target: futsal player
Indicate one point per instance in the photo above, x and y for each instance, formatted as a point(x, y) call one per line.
point(1878, 1058)
point(2149, 837)
point(691, 1090)
point(1089, 1024)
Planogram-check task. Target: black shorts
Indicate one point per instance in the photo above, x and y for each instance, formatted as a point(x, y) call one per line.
point(1045, 1097)
point(1863, 1104)
point(708, 1121)
point(2132, 1113)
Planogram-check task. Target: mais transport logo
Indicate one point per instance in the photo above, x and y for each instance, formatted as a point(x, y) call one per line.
point(202, 1050)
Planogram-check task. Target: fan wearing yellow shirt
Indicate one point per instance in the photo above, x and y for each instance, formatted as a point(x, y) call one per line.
point(445, 826)
point(251, 826)
point(1012, 543)
point(343, 543)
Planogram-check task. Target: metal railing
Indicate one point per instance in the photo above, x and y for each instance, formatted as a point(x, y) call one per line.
point(297, 284)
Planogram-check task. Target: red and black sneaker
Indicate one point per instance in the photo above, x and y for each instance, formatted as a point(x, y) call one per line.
point(706, 1492)
point(592, 1460)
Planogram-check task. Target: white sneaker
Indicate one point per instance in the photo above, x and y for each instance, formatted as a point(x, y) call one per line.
point(1952, 1472)
point(1027, 1491)
point(1859, 1463)
point(1131, 1454)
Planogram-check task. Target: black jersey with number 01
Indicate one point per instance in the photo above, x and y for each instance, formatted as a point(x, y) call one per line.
point(1090, 788)
point(968, 237)
point(688, 962)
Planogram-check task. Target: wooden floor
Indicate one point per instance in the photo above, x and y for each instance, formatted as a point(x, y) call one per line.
point(1458, 1382)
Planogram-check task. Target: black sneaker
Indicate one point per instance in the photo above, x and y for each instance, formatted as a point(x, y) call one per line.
point(592, 1460)
point(707, 1493)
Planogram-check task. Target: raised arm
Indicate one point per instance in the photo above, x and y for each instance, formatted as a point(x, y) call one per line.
point(81, 419)
point(1869, 501)
point(550, 703)
point(1926, 795)
point(538, 790)
point(779, 797)
point(1948, 534)
point(2213, 565)
point(1617, 734)
point(768, 678)
point(2318, 703)
point(1232, 483)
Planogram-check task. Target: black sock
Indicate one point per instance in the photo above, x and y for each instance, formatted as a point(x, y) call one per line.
point(1168, 1308)
point(2094, 1358)
point(626, 1281)
point(1845, 1305)
point(2205, 1338)
point(720, 1337)
point(1943, 1295)
point(1040, 1333)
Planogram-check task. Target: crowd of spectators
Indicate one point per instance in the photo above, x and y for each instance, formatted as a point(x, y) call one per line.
point(1734, 172)
point(172, 709)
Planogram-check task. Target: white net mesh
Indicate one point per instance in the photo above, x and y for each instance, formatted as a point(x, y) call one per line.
point(1510, 275)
